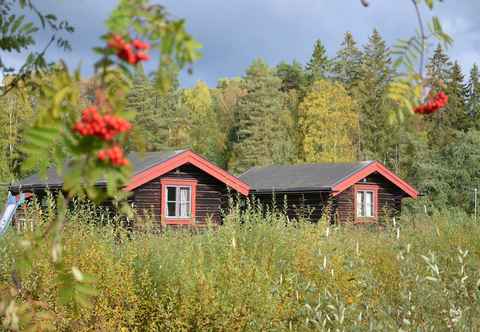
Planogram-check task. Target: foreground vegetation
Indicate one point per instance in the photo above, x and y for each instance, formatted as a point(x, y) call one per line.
point(260, 273)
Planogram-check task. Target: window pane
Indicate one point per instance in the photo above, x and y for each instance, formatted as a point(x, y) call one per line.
point(171, 209)
point(359, 203)
point(369, 204)
point(171, 194)
point(184, 209)
point(184, 194)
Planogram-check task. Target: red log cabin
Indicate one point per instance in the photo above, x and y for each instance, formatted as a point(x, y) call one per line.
point(183, 188)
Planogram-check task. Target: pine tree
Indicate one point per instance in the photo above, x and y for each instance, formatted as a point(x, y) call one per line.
point(347, 63)
point(376, 73)
point(473, 96)
point(259, 135)
point(328, 124)
point(319, 65)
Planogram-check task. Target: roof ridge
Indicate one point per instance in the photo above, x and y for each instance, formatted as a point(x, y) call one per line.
point(358, 163)
point(175, 154)
point(364, 164)
point(248, 170)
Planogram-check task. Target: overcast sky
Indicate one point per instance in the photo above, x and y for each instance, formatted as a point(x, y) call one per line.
point(234, 32)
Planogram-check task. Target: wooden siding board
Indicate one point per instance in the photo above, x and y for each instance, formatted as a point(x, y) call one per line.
point(210, 195)
point(389, 199)
point(295, 204)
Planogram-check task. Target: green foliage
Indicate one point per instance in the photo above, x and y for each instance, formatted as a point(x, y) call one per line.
point(17, 34)
point(16, 114)
point(51, 140)
point(204, 132)
point(408, 89)
point(376, 139)
point(450, 174)
point(292, 75)
point(260, 135)
point(473, 95)
point(319, 66)
point(168, 36)
point(261, 272)
point(346, 66)
point(225, 97)
point(456, 112)
point(443, 75)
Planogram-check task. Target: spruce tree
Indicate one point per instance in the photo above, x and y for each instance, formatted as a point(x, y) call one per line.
point(439, 70)
point(456, 114)
point(376, 73)
point(159, 117)
point(319, 65)
point(259, 135)
point(473, 96)
point(347, 63)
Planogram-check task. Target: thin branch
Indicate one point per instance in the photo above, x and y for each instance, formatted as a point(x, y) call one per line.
point(422, 36)
point(21, 75)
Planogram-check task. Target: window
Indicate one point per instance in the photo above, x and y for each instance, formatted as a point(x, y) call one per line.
point(365, 203)
point(179, 202)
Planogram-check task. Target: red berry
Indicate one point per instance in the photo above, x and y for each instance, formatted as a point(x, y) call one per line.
point(116, 42)
point(126, 54)
point(102, 155)
point(142, 56)
point(433, 105)
point(140, 45)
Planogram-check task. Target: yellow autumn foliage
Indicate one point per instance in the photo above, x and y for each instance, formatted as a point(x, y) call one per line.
point(328, 124)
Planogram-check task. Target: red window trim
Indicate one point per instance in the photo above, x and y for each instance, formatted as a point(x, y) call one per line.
point(366, 187)
point(178, 182)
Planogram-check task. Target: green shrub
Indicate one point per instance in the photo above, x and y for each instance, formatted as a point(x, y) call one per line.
point(261, 272)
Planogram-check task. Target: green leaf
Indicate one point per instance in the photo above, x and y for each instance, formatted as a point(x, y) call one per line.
point(17, 23)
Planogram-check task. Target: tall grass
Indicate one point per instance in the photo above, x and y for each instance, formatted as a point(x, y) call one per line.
point(261, 272)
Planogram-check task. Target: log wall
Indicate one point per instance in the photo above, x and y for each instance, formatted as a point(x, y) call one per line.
point(211, 195)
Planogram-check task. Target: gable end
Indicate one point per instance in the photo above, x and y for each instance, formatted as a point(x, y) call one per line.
point(197, 161)
point(344, 184)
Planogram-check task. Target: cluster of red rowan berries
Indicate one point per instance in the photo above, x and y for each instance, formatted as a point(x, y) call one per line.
point(130, 52)
point(433, 105)
point(114, 155)
point(104, 127)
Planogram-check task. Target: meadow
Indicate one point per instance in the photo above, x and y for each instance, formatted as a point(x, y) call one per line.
point(259, 272)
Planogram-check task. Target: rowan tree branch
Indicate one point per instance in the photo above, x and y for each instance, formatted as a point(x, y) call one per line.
point(23, 72)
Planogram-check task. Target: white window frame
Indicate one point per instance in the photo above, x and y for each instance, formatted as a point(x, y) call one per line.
point(361, 205)
point(178, 202)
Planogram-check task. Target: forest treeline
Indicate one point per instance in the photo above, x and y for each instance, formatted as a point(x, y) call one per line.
point(331, 109)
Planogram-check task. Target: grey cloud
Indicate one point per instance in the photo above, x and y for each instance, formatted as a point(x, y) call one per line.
point(235, 32)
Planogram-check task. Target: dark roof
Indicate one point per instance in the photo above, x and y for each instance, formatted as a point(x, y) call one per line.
point(139, 161)
point(300, 177)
